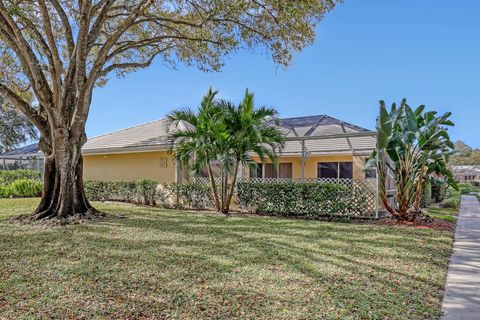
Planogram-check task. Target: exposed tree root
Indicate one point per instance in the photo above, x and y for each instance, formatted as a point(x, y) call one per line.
point(49, 219)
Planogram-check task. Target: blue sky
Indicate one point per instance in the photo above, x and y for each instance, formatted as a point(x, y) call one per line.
point(427, 51)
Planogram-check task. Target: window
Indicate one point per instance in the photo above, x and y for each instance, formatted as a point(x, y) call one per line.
point(335, 170)
point(281, 170)
point(370, 173)
point(285, 170)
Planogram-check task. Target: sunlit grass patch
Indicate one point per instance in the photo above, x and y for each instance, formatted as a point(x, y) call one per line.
point(156, 263)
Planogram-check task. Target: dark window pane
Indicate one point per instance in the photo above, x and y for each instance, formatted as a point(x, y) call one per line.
point(346, 170)
point(370, 173)
point(270, 170)
point(285, 170)
point(327, 170)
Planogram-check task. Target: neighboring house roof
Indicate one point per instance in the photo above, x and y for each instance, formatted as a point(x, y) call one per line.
point(26, 151)
point(466, 170)
point(153, 136)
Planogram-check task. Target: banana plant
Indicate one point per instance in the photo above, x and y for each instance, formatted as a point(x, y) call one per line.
point(413, 144)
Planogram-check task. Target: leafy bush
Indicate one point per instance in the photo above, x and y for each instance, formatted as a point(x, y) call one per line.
point(147, 190)
point(465, 188)
point(9, 176)
point(451, 202)
point(305, 199)
point(439, 192)
point(24, 188)
point(189, 195)
point(426, 198)
point(185, 196)
point(112, 190)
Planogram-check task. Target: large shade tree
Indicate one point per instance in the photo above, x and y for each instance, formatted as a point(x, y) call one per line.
point(414, 144)
point(59, 50)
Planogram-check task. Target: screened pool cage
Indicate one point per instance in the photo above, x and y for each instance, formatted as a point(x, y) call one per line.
point(357, 144)
point(33, 162)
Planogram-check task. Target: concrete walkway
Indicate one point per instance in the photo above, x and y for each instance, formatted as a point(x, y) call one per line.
point(462, 291)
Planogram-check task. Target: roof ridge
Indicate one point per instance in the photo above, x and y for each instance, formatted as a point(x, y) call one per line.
point(311, 116)
point(125, 129)
point(315, 125)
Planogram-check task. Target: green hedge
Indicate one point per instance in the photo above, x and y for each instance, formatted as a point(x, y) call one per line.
point(9, 176)
point(22, 188)
point(304, 199)
point(149, 192)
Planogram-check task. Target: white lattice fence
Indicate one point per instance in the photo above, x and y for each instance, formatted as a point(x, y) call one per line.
point(345, 197)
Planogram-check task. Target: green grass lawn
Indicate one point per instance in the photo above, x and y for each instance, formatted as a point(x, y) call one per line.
point(162, 264)
point(447, 214)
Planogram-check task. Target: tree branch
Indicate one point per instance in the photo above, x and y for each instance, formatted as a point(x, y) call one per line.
point(25, 107)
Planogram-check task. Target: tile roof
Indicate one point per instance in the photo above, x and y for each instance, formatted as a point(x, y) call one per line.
point(153, 136)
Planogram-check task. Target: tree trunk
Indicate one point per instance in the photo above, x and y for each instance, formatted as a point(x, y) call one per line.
point(214, 187)
point(232, 188)
point(63, 194)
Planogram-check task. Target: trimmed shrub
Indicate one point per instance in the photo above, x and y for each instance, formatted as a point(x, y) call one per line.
point(188, 195)
point(149, 192)
point(112, 190)
point(303, 199)
point(25, 188)
point(451, 202)
point(9, 176)
point(465, 188)
point(426, 198)
point(147, 189)
point(439, 192)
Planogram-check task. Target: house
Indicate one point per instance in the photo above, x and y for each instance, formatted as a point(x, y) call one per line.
point(466, 173)
point(316, 147)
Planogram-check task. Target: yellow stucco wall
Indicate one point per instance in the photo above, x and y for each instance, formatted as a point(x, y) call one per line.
point(312, 161)
point(151, 165)
point(130, 166)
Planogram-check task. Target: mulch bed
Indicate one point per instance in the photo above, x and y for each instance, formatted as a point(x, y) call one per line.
point(421, 223)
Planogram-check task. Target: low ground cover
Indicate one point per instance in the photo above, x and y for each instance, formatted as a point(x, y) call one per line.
point(157, 263)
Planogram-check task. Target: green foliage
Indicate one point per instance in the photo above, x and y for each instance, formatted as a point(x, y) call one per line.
point(15, 128)
point(9, 176)
point(148, 190)
point(113, 190)
point(224, 134)
point(451, 202)
point(465, 188)
point(24, 188)
point(426, 199)
point(439, 192)
point(189, 195)
point(417, 144)
point(302, 199)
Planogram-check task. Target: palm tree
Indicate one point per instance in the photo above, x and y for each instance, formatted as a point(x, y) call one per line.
point(417, 144)
point(227, 134)
point(198, 138)
point(252, 131)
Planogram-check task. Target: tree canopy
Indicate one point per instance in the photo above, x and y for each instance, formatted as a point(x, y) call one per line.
point(15, 128)
point(59, 50)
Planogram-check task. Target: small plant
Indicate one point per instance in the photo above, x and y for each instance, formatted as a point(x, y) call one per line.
point(148, 189)
point(24, 188)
